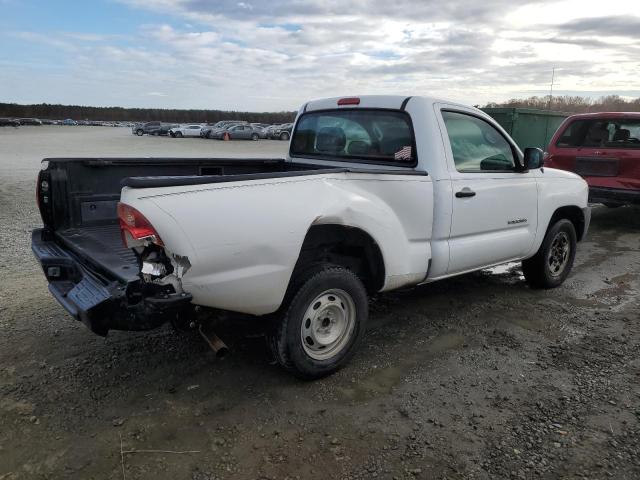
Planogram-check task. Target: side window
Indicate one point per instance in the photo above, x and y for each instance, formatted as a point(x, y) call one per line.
point(476, 145)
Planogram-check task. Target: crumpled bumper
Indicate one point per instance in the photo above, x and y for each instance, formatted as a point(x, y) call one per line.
point(102, 304)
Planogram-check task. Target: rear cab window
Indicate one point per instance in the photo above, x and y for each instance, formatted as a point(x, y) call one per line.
point(601, 133)
point(356, 135)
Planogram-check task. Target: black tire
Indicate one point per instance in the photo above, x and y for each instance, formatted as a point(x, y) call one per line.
point(178, 134)
point(341, 291)
point(551, 265)
point(284, 136)
point(139, 132)
point(255, 137)
point(208, 135)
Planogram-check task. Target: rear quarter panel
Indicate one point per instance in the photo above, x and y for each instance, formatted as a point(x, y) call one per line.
point(243, 238)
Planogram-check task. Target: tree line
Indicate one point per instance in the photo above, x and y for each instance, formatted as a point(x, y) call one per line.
point(563, 103)
point(80, 112)
point(573, 104)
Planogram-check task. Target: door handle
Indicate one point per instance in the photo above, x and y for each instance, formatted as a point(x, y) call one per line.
point(465, 192)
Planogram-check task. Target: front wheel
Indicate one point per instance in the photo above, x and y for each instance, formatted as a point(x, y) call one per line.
point(322, 324)
point(178, 134)
point(254, 137)
point(139, 132)
point(551, 265)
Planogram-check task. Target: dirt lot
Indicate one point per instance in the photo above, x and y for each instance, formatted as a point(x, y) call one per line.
point(477, 377)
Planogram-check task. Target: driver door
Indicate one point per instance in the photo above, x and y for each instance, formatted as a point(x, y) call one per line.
point(237, 132)
point(495, 208)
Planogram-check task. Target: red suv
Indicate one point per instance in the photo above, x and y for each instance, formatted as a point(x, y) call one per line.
point(604, 148)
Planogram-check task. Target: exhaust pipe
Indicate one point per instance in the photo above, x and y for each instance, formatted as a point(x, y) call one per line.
point(217, 345)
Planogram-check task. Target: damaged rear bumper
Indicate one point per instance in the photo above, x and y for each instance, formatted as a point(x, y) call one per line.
point(98, 301)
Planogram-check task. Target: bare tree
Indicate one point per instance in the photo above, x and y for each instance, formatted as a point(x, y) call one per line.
point(573, 104)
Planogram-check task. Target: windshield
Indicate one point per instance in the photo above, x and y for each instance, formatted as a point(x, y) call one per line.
point(377, 136)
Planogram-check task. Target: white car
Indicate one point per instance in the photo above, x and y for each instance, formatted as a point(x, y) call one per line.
point(185, 131)
point(376, 193)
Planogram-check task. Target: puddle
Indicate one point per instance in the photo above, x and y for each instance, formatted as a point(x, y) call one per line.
point(381, 381)
point(529, 323)
point(511, 268)
point(581, 302)
point(609, 296)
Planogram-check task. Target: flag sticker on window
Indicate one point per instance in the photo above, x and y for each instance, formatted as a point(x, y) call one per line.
point(404, 153)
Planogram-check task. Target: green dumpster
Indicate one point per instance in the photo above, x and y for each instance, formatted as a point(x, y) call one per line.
point(529, 127)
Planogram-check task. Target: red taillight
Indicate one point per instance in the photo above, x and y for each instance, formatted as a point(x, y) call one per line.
point(136, 225)
point(349, 101)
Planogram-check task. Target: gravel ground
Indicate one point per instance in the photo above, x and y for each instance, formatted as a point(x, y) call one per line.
point(478, 377)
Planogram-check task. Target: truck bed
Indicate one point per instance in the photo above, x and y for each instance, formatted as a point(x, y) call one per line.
point(89, 269)
point(80, 202)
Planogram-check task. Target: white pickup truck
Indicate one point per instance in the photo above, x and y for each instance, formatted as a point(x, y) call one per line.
point(376, 193)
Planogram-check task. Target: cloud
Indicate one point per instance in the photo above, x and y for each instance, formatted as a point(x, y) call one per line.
point(623, 26)
point(275, 55)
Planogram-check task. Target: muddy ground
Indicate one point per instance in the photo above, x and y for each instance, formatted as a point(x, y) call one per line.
point(476, 377)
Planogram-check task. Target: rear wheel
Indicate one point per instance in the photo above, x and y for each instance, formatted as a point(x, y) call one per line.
point(551, 265)
point(322, 324)
point(139, 132)
point(254, 137)
point(284, 136)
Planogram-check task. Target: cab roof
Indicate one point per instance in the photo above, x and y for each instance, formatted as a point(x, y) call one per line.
point(396, 102)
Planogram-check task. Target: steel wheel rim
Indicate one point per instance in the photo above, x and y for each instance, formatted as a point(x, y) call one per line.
point(558, 255)
point(328, 324)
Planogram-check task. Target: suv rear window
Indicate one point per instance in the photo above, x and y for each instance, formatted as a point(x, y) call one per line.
point(598, 132)
point(358, 135)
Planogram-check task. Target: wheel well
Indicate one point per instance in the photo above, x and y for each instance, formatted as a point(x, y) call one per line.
point(574, 215)
point(349, 247)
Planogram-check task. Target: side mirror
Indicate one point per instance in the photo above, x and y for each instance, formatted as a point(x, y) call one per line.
point(533, 158)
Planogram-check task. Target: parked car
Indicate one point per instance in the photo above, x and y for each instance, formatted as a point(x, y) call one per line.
point(166, 127)
point(281, 132)
point(363, 203)
point(150, 128)
point(69, 121)
point(604, 148)
point(9, 122)
point(239, 132)
point(30, 121)
point(185, 131)
point(209, 131)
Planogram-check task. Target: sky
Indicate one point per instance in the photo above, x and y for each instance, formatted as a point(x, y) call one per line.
point(274, 55)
